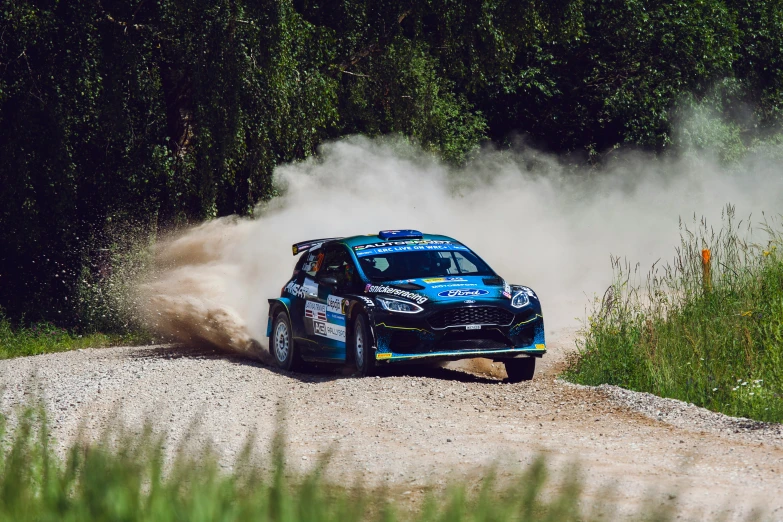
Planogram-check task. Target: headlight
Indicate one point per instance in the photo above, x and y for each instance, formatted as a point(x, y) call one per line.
point(396, 305)
point(520, 299)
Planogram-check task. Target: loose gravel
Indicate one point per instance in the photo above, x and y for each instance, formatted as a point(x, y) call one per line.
point(415, 427)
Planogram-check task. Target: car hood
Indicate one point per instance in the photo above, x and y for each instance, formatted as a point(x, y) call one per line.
point(455, 288)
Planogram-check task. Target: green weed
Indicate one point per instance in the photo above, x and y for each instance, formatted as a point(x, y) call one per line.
point(126, 477)
point(47, 338)
point(716, 343)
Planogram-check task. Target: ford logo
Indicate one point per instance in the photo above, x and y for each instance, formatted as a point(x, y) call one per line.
point(462, 293)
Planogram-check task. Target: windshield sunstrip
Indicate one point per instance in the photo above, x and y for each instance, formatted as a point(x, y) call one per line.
point(410, 248)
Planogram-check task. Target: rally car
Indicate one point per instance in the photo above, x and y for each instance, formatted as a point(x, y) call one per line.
point(401, 296)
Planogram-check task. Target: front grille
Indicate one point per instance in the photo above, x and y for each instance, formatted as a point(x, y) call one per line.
point(471, 344)
point(471, 315)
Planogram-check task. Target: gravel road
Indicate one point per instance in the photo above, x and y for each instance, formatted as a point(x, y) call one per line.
point(418, 427)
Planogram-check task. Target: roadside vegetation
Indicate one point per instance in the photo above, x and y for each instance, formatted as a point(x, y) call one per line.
point(713, 337)
point(127, 477)
point(18, 341)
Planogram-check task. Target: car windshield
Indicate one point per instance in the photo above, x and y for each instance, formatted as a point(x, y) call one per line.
point(416, 265)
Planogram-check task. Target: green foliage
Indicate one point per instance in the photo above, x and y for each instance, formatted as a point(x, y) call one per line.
point(718, 345)
point(167, 113)
point(127, 477)
point(48, 338)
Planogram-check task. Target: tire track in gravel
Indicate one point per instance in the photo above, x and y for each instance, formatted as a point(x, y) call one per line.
point(409, 428)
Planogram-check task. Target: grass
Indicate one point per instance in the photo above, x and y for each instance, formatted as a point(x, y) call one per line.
point(126, 477)
point(47, 338)
point(717, 343)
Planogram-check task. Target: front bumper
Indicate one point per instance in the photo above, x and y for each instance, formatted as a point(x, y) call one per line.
point(404, 338)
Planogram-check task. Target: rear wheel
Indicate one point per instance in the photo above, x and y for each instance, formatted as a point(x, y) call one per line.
point(361, 346)
point(521, 369)
point(282, 346)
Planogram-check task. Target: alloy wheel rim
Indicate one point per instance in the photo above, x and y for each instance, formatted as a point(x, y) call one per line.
point(359, 347)
point(281, 341)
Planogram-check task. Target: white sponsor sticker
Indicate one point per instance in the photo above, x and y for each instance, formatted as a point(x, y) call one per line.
point(335, 331)
point(329, 330)
point(310, 287)
point(473, 327)
point(335, 304)
point(315, 310)
point(319, 328)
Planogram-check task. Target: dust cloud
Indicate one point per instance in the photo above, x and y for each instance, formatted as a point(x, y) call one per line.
point(535, 220)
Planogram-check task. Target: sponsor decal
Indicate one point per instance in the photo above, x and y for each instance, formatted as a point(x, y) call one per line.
point(452, 285)
point(295, 290)
point(335, 331)
point(408, 242)
point(367, 300)
point(409, 248)
point(444, 279)
point(507, 295)
point(469, 301)
point(319, 328)
point(463, 293)
point(473, 327)
point(540, 347)
point(329, 330)
point(335, 304)
point(335, 318)
point(315, 310)
point(506, 288)
point(382, 356)
point(383, 289)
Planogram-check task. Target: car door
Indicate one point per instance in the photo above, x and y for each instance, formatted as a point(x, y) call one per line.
point(325, 313)
point(302, 288)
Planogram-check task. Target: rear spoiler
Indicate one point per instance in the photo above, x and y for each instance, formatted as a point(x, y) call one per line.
point(304, 246)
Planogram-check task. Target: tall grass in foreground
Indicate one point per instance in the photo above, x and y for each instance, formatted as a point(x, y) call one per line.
point(718, 344)
point(18, 341)
point(124, 478)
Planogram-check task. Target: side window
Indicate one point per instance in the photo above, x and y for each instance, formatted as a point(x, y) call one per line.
point(337, 263)
point(465, 266)
point(312, 261)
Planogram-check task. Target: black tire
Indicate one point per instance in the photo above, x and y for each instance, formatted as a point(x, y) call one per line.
point(521, 369)
point(361, 347)
point(281, 343)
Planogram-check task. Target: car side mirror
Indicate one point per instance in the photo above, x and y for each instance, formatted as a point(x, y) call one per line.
point(328, 281)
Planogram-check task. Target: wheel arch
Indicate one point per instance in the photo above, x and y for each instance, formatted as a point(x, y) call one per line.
point(276, 305)
point(360, 305)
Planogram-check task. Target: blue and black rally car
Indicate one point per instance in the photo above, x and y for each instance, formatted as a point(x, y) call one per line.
point(402, 296)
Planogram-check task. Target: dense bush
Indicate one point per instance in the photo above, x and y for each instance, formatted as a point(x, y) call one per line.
point(162, 113)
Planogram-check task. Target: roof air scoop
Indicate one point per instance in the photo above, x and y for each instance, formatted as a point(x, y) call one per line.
point(400, 234)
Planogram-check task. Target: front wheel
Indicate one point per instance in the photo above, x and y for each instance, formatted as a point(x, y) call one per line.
point(282, 343)
point(363, 355)
point(519, 370)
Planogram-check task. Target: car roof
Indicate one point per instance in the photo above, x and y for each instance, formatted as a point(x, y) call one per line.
point(373, 238)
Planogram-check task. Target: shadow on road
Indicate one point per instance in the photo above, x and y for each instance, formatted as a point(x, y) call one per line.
point(313, 372)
